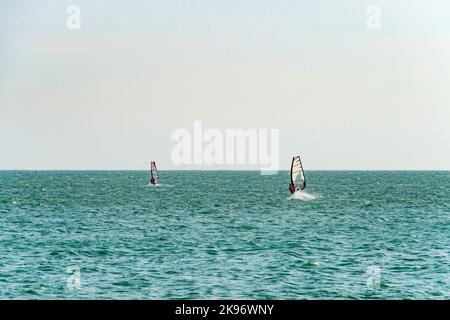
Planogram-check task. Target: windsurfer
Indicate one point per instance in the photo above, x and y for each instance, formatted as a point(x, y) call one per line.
point(291, 188)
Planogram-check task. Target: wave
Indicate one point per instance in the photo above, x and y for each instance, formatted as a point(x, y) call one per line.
point(303, 195)
point(159, 185)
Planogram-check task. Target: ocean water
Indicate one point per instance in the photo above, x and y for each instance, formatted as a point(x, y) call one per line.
point(230, 235)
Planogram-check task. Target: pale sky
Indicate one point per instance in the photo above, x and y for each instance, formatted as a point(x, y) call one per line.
point(108, 96)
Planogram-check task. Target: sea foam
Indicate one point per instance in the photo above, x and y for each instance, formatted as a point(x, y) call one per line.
point(303, 195)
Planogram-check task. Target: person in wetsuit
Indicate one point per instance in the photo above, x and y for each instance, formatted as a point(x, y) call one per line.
point(291, 188)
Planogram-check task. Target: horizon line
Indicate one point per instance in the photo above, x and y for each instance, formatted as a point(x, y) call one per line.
point(256, 170)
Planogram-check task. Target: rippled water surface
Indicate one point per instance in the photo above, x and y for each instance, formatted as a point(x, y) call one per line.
point(206, 235)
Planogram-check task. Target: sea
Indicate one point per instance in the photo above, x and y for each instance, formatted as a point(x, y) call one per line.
point(224, 235)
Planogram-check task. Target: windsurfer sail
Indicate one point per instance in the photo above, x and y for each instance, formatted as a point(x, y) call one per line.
point(154, 177)
point(298, 181)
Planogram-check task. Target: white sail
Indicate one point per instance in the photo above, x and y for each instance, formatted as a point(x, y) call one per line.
point(154, 177)
point(297, 174)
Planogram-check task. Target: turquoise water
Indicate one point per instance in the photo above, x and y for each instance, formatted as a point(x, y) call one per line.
point(209, 235)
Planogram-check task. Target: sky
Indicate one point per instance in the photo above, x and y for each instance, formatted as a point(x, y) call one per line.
point(110, 95)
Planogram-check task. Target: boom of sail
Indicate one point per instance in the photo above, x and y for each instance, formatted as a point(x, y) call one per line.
point(297, 174)
point(154, 177)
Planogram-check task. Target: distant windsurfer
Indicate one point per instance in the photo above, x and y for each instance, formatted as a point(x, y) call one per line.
point(298, 180)
point(154, 177)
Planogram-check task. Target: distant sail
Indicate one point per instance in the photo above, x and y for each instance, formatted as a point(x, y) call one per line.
point(297, 174)
point(154, 177)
